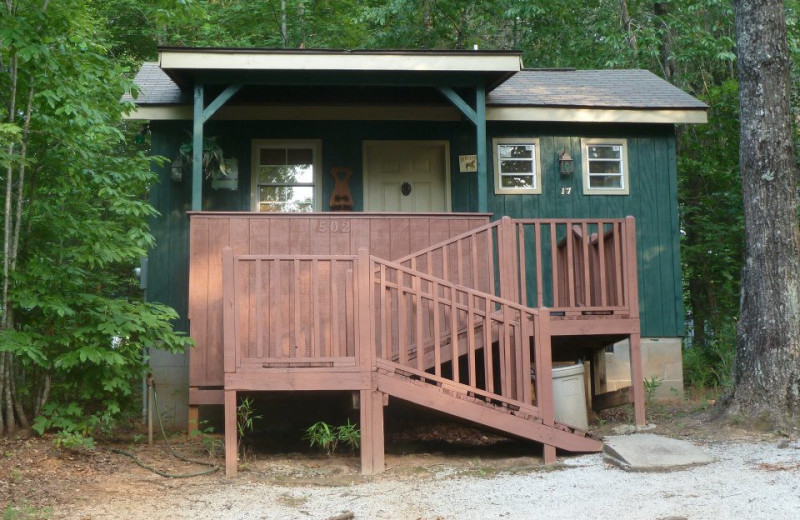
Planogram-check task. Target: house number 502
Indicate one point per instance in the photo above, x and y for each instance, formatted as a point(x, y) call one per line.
point(334, 226)
point(566, 190)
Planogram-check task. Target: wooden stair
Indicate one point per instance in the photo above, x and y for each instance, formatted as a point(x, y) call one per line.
point(461, 401)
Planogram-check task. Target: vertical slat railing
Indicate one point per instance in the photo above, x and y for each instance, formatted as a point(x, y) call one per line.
point(466, 322)
point(586, 258)
point(306, 314)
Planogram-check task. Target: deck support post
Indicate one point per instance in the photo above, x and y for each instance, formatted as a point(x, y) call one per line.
point(371, 401)
point(231, 441)
point(637, 379)
point(193, 423)
point(632, 282)
point(372, 440)
point(544, 378)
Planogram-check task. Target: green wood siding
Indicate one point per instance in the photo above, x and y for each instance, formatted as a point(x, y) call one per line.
point(652, 199)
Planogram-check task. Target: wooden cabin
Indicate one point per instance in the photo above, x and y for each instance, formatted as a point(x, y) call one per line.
point(435, 226)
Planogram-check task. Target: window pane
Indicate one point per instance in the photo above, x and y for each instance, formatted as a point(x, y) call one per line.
point(299, 156)
point(605, 167)
point(299, 173)
point(515, 151)
point(273, 156)
point(286, 198)
point(516, 181)
point(605, 151)
point(605, 181)
point(516, 166)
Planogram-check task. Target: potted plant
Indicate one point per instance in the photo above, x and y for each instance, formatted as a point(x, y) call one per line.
point(213, 159)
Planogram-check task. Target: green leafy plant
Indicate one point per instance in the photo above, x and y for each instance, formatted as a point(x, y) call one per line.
point(213, 158)
point(711, 366)
point(211, 443)
point(246, 417)
point(327, 437)
point(650, 387)
point(323, 436)
point(350, 435)
point(245, 422)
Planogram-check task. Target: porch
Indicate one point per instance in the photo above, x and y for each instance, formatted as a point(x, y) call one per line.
point(448, 311)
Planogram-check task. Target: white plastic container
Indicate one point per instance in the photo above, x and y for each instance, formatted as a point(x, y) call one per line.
point(569, 396)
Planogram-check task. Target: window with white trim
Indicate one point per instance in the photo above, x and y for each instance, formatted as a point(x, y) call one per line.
point(516, 166)
point(285, 176)
point(605, 167)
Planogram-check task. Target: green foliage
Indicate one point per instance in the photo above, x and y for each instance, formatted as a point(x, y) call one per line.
point(212, 443)
point(323, 436)
point(711, 366)
point(25, 512)
point(350, 435)
point(213, 158)
point(246, 417)
point(650, 387)
point(79, 318)
point(326, 437)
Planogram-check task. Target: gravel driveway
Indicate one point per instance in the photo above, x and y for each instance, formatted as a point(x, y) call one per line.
point(747, 481)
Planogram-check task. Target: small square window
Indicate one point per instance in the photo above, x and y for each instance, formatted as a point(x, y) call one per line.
point(286, 175)
point(516, 166)
point(605, 167)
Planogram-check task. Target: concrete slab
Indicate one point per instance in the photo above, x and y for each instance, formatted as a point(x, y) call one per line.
point(647, 452)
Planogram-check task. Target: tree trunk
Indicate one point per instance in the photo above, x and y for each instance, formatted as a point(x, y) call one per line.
point(767, 376)
point(625, 20)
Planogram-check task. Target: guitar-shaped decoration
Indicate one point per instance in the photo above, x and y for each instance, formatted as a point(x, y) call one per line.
point(341, 200)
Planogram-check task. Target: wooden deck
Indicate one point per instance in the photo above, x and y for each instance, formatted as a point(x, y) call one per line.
point(451, 312)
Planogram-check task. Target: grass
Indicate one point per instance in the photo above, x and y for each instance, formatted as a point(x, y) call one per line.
point(25, 512)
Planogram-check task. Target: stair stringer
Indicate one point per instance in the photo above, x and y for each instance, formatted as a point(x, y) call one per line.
point(431, 396)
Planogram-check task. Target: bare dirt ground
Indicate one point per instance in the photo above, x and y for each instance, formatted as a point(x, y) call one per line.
point(428, 467)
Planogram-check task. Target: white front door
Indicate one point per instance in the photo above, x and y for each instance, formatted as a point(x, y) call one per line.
point(406, 176)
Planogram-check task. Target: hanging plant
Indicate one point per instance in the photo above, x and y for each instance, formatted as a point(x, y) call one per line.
point(213, 158)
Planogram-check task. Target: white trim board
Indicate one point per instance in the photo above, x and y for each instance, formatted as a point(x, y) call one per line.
point(421, 113)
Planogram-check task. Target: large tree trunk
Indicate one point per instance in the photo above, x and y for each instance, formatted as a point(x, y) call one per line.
point(767, 378)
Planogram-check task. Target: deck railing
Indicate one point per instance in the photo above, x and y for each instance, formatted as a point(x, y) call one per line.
point(571, 266)
point(458, 337)
point(296, 310)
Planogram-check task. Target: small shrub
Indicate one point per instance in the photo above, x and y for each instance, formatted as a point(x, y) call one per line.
point(245, 423)
point(327, 437)
point(711, 366)
point(350, 435)
point(650, 387)
point(323, 436)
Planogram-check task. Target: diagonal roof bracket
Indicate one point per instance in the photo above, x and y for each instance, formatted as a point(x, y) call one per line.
point(477, 116)
point(223, 97)
point(459, 102)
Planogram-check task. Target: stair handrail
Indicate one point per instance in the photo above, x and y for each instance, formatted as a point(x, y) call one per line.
point(530, 320)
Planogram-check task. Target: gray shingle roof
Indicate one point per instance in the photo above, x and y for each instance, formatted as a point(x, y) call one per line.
point(632, 89)
point(156, 88)
point(626, 89)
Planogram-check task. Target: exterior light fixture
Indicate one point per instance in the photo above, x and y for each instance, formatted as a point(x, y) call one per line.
point(176, 171)
point(565, 163)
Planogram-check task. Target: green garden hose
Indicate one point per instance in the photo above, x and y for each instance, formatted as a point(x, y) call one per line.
point(213, 467)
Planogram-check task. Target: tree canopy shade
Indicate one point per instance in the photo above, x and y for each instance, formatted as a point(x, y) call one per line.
point(767, 377)
point(75, 218)
point(72, 323)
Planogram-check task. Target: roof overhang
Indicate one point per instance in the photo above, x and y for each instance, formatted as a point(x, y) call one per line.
point(184, 65)
point(425, 113)
point(573, 114)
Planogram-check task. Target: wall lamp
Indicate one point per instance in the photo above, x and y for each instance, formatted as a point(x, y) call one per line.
point(565, 163)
